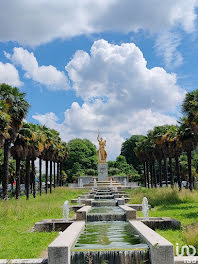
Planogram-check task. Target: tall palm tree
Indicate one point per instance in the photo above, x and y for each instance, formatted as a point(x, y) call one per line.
point(189, 143)
point(62, 156)
point(17, 110)
point(190, 109)
point(26, 147)
point(140, 153)
point(167, 142)
point(4, 122)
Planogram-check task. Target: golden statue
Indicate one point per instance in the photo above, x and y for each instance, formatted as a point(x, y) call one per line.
point(102, 154)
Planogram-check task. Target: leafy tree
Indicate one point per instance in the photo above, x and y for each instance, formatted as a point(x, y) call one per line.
point(82, 156)
point(111, 164)
point(128, 151)
point(121, 167)
point(91, 172)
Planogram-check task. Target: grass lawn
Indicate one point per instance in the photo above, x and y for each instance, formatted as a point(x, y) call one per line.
point(18, 217)
point(182, 206)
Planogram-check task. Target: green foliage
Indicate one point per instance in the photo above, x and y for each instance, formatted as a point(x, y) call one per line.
point(91, 172)
point(82, 156)
point(111, 164)
point(121, 167)
point(182, 206)
point(114, 171)
point(17, 219)
point(128, 151)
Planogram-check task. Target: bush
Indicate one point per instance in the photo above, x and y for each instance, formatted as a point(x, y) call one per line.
point(114, 171)
point(91, 172)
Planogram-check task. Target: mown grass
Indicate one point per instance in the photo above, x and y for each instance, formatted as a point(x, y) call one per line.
point(182, 206)
point(18, 217)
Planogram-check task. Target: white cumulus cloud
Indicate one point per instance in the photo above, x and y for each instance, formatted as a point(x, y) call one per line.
point(46, 75)
point(65, 19)
point(121, 96)
point(119, 75)
point(9, 74)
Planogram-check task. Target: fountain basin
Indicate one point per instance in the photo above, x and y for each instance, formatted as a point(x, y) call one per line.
point(108, 213)
point(100, 203)
point(108, 236)
point(111, 242)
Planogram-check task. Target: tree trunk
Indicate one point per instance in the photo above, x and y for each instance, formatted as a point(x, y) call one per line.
point(33, 180)
point(160, 173)
point(165, 172)
point(54, 174)
point(50, 176)
point(27, 178)
point(6, 169)
point(151, 173)
point(171, 172)
point(46, 176)
point(40, 176)
point(58, 173)
point(61, 174)
point(177, 165)
point(189, 155)
point(144, 164)
point(18, 189)
point(147, 172)
point(154, 175)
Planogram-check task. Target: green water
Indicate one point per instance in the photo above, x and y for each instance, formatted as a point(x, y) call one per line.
point(108, 236)
point(106, 210)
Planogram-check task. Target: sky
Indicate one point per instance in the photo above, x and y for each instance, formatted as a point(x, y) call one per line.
point(119, 66)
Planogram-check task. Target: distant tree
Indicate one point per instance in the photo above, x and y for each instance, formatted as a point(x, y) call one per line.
point(114, 171)
point(128, 151)
point(82, 156)
point(91, 172)
point(111, 164)
point(123, 168)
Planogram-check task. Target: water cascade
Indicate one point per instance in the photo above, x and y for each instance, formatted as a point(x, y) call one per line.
point(107, 257)
point(107, 237)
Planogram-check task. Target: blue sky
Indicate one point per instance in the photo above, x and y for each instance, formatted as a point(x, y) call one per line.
point(121, 66)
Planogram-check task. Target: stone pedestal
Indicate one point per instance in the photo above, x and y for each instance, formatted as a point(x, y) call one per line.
point(102, 172)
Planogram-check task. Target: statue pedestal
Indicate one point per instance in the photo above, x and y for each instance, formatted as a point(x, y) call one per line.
point(102, 172)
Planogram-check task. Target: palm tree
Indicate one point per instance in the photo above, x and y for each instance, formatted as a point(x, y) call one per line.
point(26, 147)
point(62, 156)
point(189, 143)
point(156, 134)
point(167, 142)
point(4, 122)
point(190, 109)
point(17, 110)
point(140, 153)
